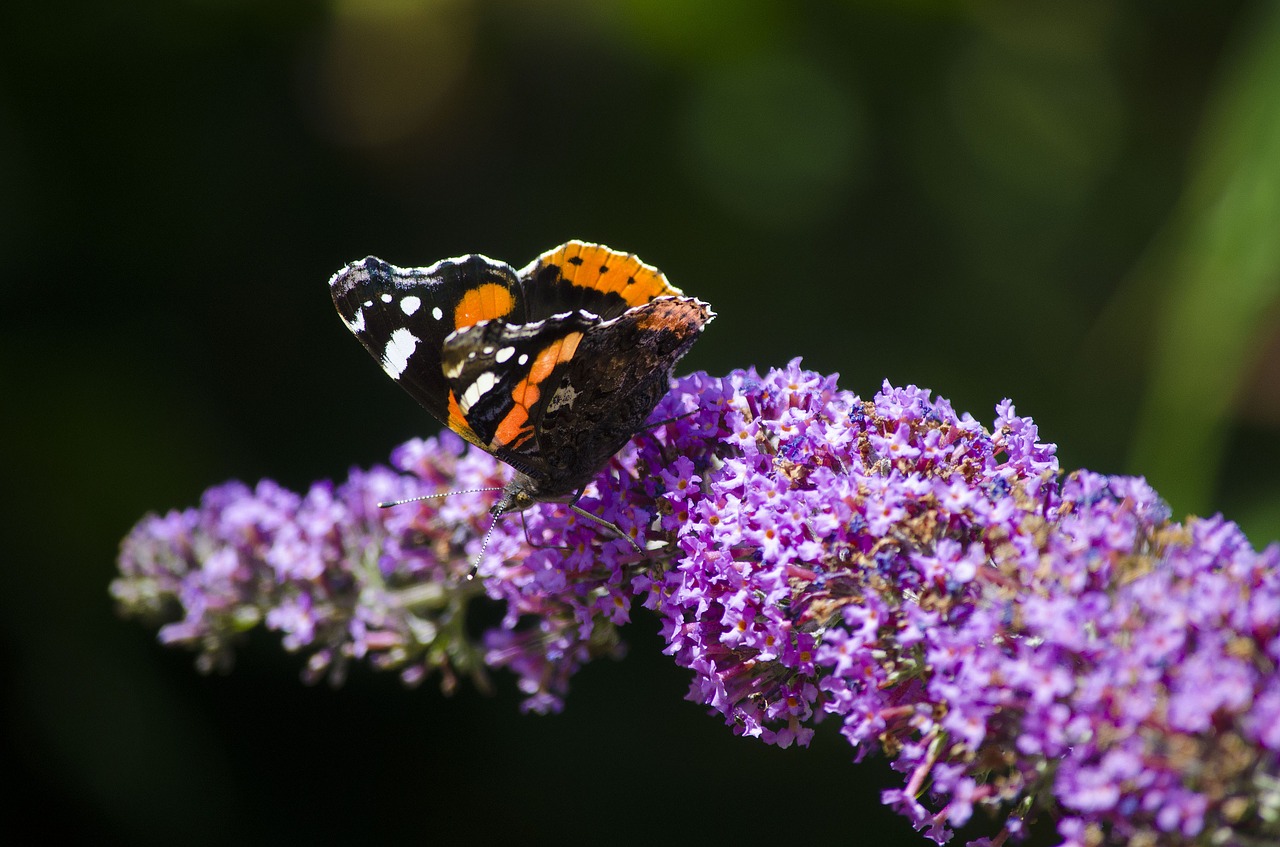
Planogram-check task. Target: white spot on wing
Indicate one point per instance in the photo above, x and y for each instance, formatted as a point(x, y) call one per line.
point(523, 360)
point(504, 354)
point(476, 390)
point(395, 356)
point(410, 304)
point(437, 314)
point(356, 324)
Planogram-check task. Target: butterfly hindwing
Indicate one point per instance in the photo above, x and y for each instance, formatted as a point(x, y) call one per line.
point(403, 315)
point(590, 407)
point(578, 275)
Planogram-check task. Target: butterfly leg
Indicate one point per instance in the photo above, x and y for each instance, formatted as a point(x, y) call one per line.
point(573, 504)
point(650, 427)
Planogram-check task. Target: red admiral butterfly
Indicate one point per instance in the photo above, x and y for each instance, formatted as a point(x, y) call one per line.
point(551, 369)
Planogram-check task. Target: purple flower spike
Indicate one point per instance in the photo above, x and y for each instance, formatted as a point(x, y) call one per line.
point(1018, 643)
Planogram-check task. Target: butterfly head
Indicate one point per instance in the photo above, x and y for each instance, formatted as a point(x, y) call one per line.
point(519, 494)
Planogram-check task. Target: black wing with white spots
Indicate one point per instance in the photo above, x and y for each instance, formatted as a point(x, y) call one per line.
point(402, 316)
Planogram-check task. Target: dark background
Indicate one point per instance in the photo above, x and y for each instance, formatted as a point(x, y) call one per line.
point(1073, 205)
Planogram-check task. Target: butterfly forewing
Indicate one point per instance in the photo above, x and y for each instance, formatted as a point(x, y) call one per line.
point(500, 374)
point(403, 315)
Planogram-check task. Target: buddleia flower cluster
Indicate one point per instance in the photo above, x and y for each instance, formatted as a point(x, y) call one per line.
point(1017, 642)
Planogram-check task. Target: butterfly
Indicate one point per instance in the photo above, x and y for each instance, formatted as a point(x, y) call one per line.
point(552, 369)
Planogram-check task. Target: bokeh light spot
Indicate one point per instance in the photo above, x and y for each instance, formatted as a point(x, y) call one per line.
point(386, 65)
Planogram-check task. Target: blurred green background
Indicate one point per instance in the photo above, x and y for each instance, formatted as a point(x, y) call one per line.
point(1073, 205)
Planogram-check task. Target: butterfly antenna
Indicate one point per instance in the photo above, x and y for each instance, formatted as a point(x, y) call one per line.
point(387, 504)
point(484, 545)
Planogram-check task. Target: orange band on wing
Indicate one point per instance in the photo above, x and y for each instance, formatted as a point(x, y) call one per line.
point(513, 430)
point(596, 266)
point(551, 355)
point(458, 422)
point(483, 303)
